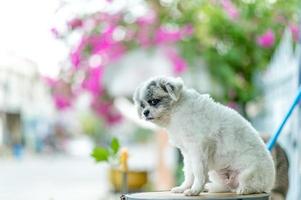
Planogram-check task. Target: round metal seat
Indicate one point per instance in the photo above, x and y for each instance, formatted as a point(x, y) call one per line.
point(202, 196)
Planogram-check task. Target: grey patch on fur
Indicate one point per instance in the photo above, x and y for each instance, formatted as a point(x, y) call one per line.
point(151, 84)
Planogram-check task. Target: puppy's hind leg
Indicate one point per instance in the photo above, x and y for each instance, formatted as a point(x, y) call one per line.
point(216, 184)
point(252, 180)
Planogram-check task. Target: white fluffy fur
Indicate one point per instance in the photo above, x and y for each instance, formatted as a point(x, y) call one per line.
point(216, 140)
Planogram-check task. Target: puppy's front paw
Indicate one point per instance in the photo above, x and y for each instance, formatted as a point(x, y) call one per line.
point(192, 192)
point(178, 189)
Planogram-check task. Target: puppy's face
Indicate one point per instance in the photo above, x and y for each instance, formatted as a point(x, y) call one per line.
point(155, 98)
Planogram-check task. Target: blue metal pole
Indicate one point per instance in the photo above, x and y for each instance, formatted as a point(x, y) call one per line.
point(273, 139)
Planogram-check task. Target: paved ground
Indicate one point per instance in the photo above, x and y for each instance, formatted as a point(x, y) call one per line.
point(53, 178)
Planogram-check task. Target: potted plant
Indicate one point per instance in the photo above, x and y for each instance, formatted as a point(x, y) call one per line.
point(114, 156)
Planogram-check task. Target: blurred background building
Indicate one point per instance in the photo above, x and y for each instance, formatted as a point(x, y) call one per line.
point(23, 98)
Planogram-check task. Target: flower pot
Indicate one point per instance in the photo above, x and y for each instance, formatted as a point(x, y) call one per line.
point(136, 179)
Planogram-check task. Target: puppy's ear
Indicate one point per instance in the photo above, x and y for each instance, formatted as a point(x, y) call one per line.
point(173, 87)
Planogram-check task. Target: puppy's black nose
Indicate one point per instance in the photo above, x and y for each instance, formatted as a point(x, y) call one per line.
point(146, 113)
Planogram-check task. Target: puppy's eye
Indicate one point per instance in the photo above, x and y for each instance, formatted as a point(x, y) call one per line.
point(153, 102)
point(142, 105)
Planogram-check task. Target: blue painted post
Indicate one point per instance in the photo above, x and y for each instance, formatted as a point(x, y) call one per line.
point(273, 139)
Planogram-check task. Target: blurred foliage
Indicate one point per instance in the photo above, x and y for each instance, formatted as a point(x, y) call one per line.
point(93, 127)
point(235, 38)
point(228, 42)
point(179, 169)
point(141, 135)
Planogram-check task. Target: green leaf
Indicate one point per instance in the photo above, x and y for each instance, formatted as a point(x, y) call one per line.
point(100, 154)
point(115, 145)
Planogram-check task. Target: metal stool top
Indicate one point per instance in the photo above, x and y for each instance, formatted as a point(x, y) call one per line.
point(202, 196)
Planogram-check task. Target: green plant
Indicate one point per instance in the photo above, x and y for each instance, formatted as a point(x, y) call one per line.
point(107, 154)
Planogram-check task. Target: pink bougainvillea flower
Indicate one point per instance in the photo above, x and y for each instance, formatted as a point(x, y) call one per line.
point(76, 54)
point(75, 23)
point(144, 31)
point(62, 94)
point(233, 105)
point(147, 19)
point(92, 83)
point(107, 18)
point(55, 32)
point(49, 81)
point(179, 64)
point(267, 39)
point(115, 52)
point(187, 30)
point(165, 35)
point(100, 43)
point(112, 116)
point(106, 110)
point(61, 102)
point(143, 38)
point(295, 31)
point(75, 58)
point(104, 44)
point(130, 34)
point(230, 9)
point(110, 52)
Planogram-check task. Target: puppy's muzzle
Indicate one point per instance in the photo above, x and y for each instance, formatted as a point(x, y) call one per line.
point(146, 113)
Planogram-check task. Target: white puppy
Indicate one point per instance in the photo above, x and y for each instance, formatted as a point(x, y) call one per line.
point(214, 139)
